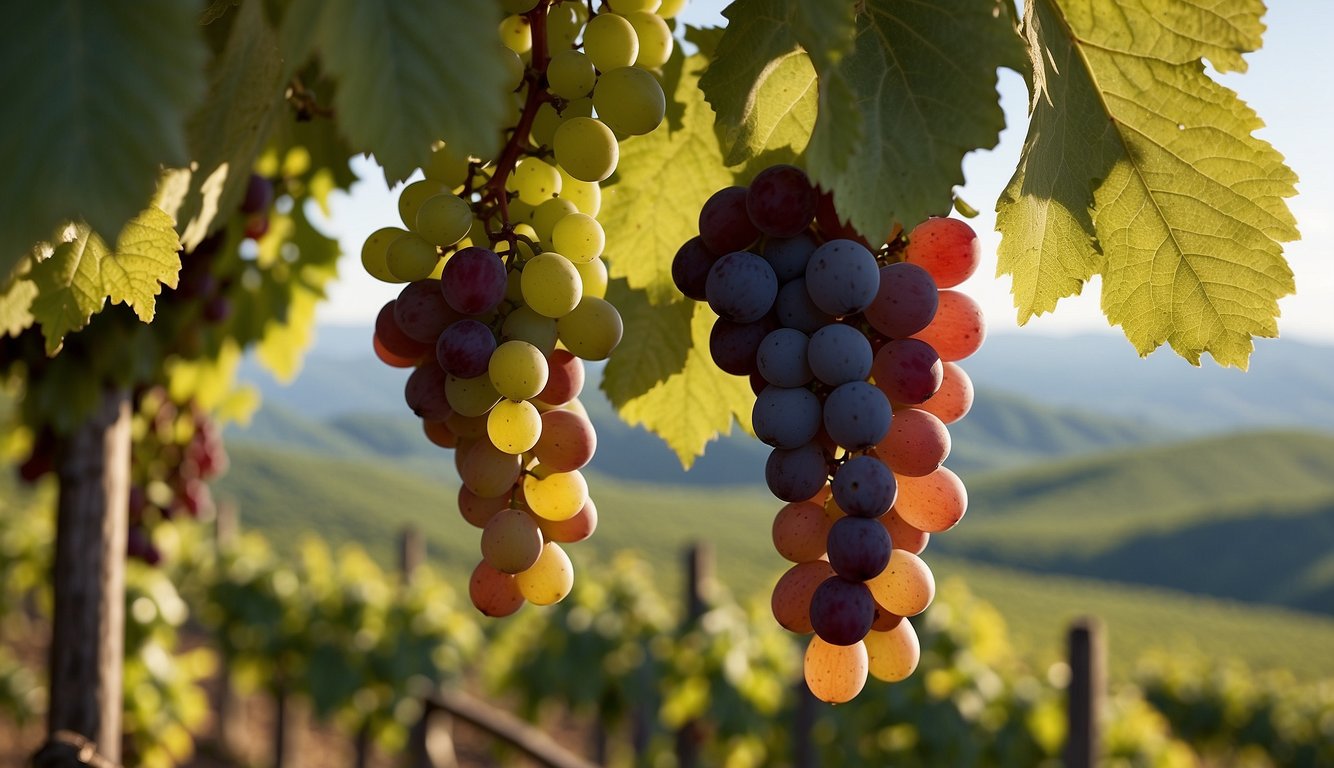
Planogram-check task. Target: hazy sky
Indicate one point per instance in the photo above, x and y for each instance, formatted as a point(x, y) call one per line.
point(1290, 83)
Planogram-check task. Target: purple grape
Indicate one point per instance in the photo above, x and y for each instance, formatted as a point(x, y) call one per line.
point(857, 415)
point(421, 311)
point(842, 277)
point(908, 371)
point(741, 287)
point(858, 548)
point(690, 268)
point(796, 310)
point(838, 354)
point(905, 302)
point(842, 611)
point(796, 474)
point(473, 281)
point(723, 223)
point(781, 201)
point(425, 392)
point(864, 487)
point(790, 255)
point(781, 358)
point(464, 349)
point(733, 346)
point(786, 418)
point(258, 195)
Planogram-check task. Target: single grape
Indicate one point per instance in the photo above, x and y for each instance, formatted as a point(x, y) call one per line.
point(905, 302)
point(534, 180)
point(916, 445)
point(932, 503)
point(842, 277)
point(514, 426)
point(839, 354)
point(464, 348)
point(835, 673)
point(425, 392)
point(908, 371)
point(800, 531)
point(592, 329)
point(905, 586)
point(477, 510)
point(578, 237)
point(516, 34)
point(893, 655)
point(723, 223)
point(791, 600)
point(903, 535)
point(946, 248)
point(864, 487)
point(796, 310)
point(786, 418)
point(392, 337)
point(547, 215)
point(842, 611)
point(741, 287)
point(856, 415)
point(610, 42)
point(439, 433)
point(782, 358)
point(655, 38)
point(571, 74)
point(568, 441)
point(586, 148)
point(576, 528)
point(557, 495)
point(563, 24)
point(859, 548)
point(781, 201)
point(954, 398)
point(565, 378)
point(422, 312)
point(789, 255)
point(734, 346)
point(492, 592)
point(551, 285)
point(488, 471)
point(793, 474)
point(518, 370)
point(375, 253)
point(447, 166)
point(630, 101)
point(411, 258)
point(690, 268)
point(958, 329)
point(473, 281)
point(443, 219)
point(511, 541)
point(471, 397)
point(594, 275)
point(586, 195)
point(523, 324)
point(550, 579)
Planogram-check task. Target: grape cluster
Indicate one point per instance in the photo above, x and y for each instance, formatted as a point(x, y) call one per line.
point(851, 352)
point(505, 286)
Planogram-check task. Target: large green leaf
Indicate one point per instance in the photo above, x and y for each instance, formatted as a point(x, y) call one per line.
point(409, 73)
point(663, 180)
point(663, 378)
point(95, 95)
point(1140, 167)
point(82, 273)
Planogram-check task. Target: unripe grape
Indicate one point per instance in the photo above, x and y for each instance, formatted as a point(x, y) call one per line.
point(443, 219)
point(375, 252)
point(514, 68)
point(630, 101)
point(578, 237)
point(594, 275)
point(411, 258)
point(655, 39)
point(610, 42)
point(586, 148)
point(592, 329)
point(571, 75)
point(447, 167)
point(526, 325)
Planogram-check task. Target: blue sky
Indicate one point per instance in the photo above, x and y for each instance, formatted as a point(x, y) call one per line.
point(1290, 83)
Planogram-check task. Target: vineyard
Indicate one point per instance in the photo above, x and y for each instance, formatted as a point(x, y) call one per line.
point(611, 216)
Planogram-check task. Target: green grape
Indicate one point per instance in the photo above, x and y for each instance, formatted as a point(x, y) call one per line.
point(586, 195)
point(447, 167)
point(471, 397)
point(563, 24)
point(555, 495)
point(518, 6)
point(514, 69)
point(578, 237)
point(610, 42)
point(488, 471)
point(444, 219)
point(630, 6)
point(535, 181)
point(571, 74)
point(548, 213)
point(545, 123)
point(414, 194)
point(521, 212)
point(511, 541)
point(551, 285)
point(411, 258)
point(516, 34)
point(518, 370)
point(578, 108)
point(550, 579)
point(591, 330)
point(375, 250)
point(670, 8)
point(655, 39)
point(526, 325)
point(594, 275)
point(630, 101)
point(514, 426)
point(586, 148)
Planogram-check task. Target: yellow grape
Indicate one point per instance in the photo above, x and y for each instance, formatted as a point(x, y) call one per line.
point(594, 275)
point(551, 285)
point(791, 599)
point(563, 24)
point(578, 237)
point(893, 655)
point(670, 8)
point(471, 397)
point(411, 258)
point(550, 579)
point(655, 39)
point(933, 503)
point(443, 219)
point(571, 75)
point(579, 108)
point(548, 214)
point(545, 123)
point(535, 181)
point(447, 167)
point(630, 6)
point(488, 471)
point(511, 541)
point(592, 329)
point(586, 148)
point(586, 195)
point(835, 673)
point(516, 34)
point(557, 496)
point(518, 370)
point(492, 592)
point(416, 193)
point(630, 101)
point(906, 587)
point(514, 426)
point(375, 251)
point(610, 42)
point(524, 324)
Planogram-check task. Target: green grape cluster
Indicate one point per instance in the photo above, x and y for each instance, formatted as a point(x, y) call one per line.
point(505, 285)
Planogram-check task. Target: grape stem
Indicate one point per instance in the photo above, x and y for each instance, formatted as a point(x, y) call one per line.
point(518, 138)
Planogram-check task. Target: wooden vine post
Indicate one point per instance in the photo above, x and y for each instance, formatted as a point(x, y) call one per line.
point(88, 627)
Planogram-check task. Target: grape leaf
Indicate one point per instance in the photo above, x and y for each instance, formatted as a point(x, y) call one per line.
point(827, 30)
point(227, 132)
point(82, 273)
point(1140, 167)
point(922, 78)
point(664, 378)
point(412, 72)
point(16, 299)
point(98, 94)
point(664, 178)
point(313, 263)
